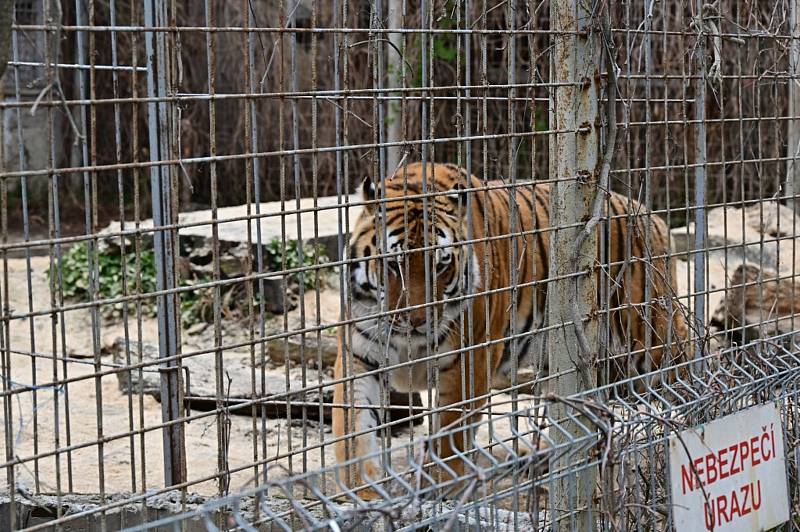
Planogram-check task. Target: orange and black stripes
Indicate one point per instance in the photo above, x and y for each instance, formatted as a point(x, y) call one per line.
point(448, 224)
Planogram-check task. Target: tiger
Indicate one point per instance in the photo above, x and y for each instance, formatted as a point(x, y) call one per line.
point(424, 211)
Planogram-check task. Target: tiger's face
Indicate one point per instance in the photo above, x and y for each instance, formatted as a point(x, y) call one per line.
point(401, 246)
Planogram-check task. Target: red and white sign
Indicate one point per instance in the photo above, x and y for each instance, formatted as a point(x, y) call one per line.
point(733, 477)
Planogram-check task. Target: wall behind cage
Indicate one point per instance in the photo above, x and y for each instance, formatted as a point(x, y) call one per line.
point(458, 82)
point(451, 87)
point(463, 88)
point(746, 101)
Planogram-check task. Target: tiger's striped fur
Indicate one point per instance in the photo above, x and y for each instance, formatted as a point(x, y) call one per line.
point(415, 330)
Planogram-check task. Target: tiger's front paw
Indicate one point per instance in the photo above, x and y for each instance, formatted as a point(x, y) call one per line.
point(359, 480)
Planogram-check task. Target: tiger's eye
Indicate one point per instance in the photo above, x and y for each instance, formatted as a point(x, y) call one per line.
point(394, 265)
point(444, 262)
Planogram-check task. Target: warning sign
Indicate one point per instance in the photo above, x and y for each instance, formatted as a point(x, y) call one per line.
point(733, 477)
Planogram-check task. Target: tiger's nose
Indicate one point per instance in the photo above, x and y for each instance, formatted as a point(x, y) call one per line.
point(417, 318)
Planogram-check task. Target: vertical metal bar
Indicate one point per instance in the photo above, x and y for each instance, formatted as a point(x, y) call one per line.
point(394, 69)
point(793, 134)
point(254, 125)
point(23, 184)
point(513, 230)
point(426, 103)
point(315, 187)
point(401, 165)
point(699, 186)
point(725, 201)
point(483, 124)
point(574, 172)
point(378, 74)
point(379, 175)
point(743, 133)
point(627, 219)
point(56, 286)
point(462, 73)
point(250, 177)
point(210, 9)
point(343, 213)
point(135, 19)
point(685, 76)
point(647, 44)
point(155, 14)
point(648, 173)
point(6, 19)
point(299, 244)
point(532, 505)
point(285, 13)
point(123, 248)
point(90, 202)
point(5, 341)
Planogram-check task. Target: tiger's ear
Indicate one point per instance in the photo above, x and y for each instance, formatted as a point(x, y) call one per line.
point(368, 193)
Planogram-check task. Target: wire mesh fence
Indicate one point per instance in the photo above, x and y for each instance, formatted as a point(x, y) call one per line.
point(407, 264)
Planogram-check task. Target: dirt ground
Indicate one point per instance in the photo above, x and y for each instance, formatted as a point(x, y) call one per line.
point(75, 416)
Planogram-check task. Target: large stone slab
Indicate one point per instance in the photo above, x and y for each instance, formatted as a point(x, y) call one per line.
point(281, 393)
point(193, 513)
point(34, 509)
point(764, 233)
point(315, 223)
point(238, 381)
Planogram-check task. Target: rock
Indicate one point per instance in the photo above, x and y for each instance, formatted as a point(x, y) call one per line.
point(527, 378)
point(234, 262)
point(715, 282)
point(197, 328)
point(202, 254)
point(126, 353)
point(320, 226)
point(109, 244)
point(36, 509)
point(299, 348)
point(202, 375)
point(292, 346)
point(72, 352)
point(738, 236)
point(743, 243)
point(192, 512)
point(200, 386)
point(758, 302)
point(109, 344)
point(300, 395)
point(235, 247)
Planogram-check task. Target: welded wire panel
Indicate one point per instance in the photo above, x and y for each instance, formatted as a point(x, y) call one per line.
point(284, 264)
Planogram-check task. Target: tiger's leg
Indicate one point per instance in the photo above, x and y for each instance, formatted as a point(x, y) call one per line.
point(361, 423)
point(658, 341)
point(669, 329)
point(673, 328)
point(460, 384)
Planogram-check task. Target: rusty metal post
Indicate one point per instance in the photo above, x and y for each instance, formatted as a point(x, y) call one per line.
point(700, 159)
point(574, 169)
point(162, 187)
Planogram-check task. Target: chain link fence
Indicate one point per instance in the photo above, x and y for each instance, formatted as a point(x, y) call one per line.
point(398, 264)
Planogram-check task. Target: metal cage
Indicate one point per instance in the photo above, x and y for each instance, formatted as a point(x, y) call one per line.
point(400, 264)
